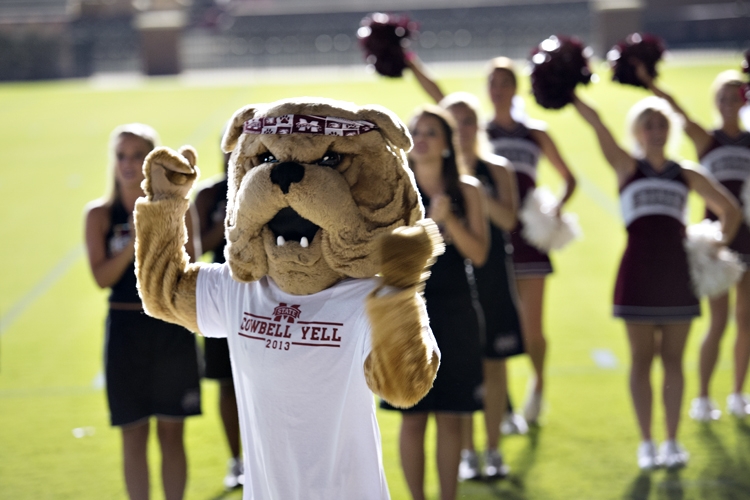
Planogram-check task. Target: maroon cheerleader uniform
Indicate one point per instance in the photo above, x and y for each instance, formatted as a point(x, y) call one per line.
point(728, 160)
point(523, 151)
point(653, 283)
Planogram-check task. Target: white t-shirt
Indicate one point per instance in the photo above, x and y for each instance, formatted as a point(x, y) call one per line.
point(306, 414)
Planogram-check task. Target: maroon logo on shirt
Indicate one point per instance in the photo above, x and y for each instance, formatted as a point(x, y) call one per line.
point(283, 329)
point(284, 311)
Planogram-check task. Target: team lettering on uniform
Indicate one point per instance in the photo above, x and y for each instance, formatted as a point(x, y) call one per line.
point(728, 163)
point(519, 156)
point(651, 196)
point(282, 329)
point(522, 153)
point(660, 197)
point(734, 163)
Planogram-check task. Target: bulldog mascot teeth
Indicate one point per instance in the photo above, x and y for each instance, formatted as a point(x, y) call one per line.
point(327, 251)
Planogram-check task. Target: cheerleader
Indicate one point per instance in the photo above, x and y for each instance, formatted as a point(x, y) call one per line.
point(495, 280)
point(456, 203)
point(523, 144)
point(495, 287)
point(151, 366)
point(725, 153)
point(653, 292)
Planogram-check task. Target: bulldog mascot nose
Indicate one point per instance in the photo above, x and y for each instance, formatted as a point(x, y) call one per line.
point(319, 298)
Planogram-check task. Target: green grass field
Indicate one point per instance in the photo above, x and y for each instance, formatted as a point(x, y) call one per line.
point(53, 140)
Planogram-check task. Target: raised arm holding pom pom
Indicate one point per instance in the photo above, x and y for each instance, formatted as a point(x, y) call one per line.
point(647, 49)
point(558, 65)
point(382, 38)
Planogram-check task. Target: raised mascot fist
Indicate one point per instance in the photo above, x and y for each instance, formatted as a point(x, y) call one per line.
point(407, 253)
point(169, 173)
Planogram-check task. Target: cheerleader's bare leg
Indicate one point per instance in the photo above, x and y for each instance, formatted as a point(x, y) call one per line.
point(642, 340)
point(531, 299)
point(173, 458)
point(673, 340)
point(495, 399)
point(135, 462)
point(467, 433)
point(710, 347)
point(411, 449)
point(448, 452)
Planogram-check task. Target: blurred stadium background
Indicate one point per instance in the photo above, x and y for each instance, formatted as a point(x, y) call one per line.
point(44, 39)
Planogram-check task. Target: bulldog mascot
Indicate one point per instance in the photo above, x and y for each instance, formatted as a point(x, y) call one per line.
point(327, 251)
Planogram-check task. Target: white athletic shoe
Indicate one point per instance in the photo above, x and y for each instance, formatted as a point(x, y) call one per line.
point(468, 468)
point(494, 466)
point(513, 423)
point(235, 474)
point(703, 409)
point(647, 457)
point(533, 408)
point(738, 405)
point(672, 455)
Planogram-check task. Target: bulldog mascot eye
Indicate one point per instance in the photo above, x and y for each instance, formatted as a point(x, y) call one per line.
point(320, 297)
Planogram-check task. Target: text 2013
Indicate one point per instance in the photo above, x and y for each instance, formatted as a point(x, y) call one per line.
point(281, 345)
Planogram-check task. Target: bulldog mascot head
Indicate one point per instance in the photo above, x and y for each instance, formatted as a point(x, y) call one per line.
point(311, 188)
point(322, 214)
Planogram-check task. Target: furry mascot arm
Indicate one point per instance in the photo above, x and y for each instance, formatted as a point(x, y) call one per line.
point(404, 359)
point(166, 279)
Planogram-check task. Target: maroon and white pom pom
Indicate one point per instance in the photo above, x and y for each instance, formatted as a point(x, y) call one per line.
point(714, 269)
point(646, 48)
point(383, 38)
point(558, 65)
point(541, 227)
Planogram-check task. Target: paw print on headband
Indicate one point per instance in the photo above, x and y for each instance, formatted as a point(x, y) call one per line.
point(307, 124)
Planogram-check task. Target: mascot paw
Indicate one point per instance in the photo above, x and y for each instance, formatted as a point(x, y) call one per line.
point(407, 253)
point(169, 174)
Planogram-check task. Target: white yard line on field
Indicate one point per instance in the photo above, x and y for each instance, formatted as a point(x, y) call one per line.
point(57, 272)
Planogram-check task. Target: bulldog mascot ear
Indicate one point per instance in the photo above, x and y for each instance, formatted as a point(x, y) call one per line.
point(234, 130)
point(320, 297)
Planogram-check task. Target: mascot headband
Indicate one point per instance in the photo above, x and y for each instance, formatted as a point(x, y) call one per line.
point(307, 124)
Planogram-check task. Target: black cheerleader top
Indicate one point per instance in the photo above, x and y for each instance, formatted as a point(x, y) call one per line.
point(499, 238)
point(448, 273)
point(217, 217)
point(482, 172)
point(119, 235)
